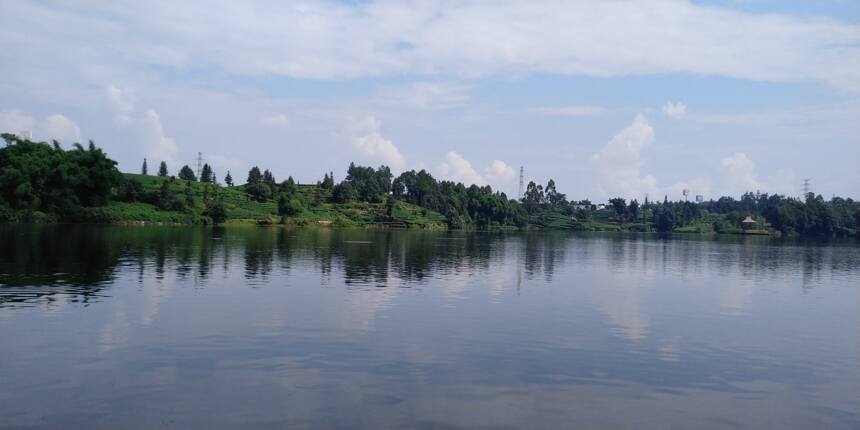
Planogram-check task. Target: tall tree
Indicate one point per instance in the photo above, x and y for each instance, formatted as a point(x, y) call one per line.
point(533, 197)
point(228, 179)
point(206, 174)
point(619, 206)
point(144, 170)
point(255, 187)
point(162, 169)
point(187, 174)
point(633, 209)
point(254, 176)
point(327, 182)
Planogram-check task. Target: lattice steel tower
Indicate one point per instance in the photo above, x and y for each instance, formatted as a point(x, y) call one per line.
point(521, 183)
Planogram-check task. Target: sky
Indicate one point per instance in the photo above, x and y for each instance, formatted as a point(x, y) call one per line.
point(608, 98)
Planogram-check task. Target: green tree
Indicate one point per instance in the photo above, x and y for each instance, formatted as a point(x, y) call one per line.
point(327, 182)
point(189, 196)
point(42, 177)
point(288, 206)
point(288, 187)
point(144, 170)
point(633, 210)
point(664, 219)
point(228, 179)
point(162, 169)
point(553, 197)
point(390, 206)
point(533, 197)
point(619, 206)
point(255, 187)
point(187, 174)
point(206, 174)
point(216, 209)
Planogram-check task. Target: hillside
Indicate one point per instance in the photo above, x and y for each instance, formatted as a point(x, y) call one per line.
point(241, 209)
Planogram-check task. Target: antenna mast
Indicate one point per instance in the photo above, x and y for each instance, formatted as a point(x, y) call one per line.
point(199, 163)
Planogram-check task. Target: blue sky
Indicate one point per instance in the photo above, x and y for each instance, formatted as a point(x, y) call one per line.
point(608, 98)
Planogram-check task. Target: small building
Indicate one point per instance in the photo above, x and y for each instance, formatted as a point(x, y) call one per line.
point(748, 223)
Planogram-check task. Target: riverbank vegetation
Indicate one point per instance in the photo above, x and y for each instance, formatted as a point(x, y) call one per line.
point(41, 182)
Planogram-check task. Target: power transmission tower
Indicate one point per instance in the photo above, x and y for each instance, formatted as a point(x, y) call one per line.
point(521, 183)
point(199, 163)
point(807, 188)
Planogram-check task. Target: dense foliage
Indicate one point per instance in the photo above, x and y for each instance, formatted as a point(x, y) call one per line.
point(461, 206)
point(41, 181)
point(46, 178)
point(810, 216)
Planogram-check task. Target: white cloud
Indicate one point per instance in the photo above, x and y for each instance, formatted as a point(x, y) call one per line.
point(275, 120)
point(498, 172)
point(121, 103)
point(740, 172)
point(675, 110)
point(579, 110)
point(740, 177)
point(12, 121)
point(160, 147)
point(368, 140)
point(468, 39)
point(146, 128)
point(619, 163)
point(54, 127)
point(426, 95)
point(458, 169)
point(60, 128)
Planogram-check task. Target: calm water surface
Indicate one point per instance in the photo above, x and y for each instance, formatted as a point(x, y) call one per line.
point(179, 327)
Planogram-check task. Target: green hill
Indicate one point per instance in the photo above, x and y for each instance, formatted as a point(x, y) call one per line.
point(240, 208)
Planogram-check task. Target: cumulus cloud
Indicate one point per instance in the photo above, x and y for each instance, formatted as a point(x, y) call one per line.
point(619, 163)
point(368, 140)
point(674, 110)
point(53, 127)
point(740, 177)
point(161, 147)
point(143, 127)
point(458, 169)
point(578, 110)
point(498, 172)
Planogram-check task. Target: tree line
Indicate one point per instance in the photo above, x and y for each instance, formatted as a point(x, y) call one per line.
point(38, 178)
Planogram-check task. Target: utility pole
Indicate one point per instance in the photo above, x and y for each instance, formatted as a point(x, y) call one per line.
point(521, 183)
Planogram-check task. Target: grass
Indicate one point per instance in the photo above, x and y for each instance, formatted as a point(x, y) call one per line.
point(243, 210)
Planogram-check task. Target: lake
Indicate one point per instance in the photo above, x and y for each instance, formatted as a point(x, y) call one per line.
point(106, 327)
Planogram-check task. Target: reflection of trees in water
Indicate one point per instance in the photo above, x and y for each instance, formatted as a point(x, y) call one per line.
point(38, 261)
point(67, 256)
point(259, 247)
point(542, 251)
